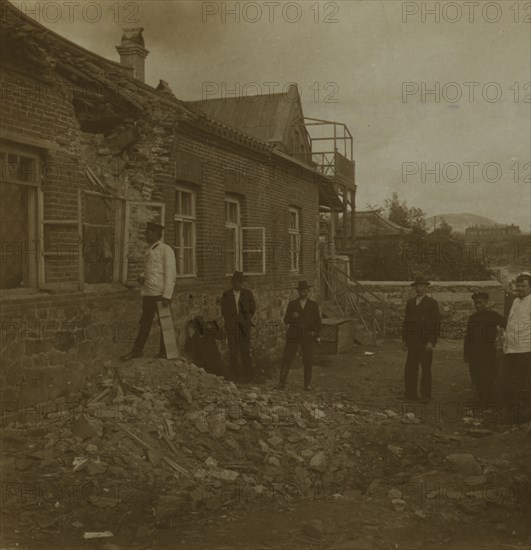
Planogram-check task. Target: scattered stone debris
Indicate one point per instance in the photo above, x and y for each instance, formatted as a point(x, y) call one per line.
point(394, 493)
point(318, 461)
point(97, 535)
point(409, 418)
point(479, 432)
point(186, 439)
point(397, 451)
point(169, 436)
point(466, 463)
point(313, 529)
point(398, 504)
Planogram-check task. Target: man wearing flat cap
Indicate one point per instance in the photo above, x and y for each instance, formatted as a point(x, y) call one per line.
point(420, 332)
point(238, 308)
point(479, 350)
point(304, 325)
point(158, 281)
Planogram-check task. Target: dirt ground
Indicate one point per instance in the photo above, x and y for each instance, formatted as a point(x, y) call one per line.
point(402, 491)
point(438, 514)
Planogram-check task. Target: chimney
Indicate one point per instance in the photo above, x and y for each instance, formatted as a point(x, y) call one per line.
point(132, 52)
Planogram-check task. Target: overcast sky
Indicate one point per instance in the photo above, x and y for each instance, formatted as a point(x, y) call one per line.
point(354, 61)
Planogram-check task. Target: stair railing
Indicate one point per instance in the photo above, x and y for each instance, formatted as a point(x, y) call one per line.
point(351, 288)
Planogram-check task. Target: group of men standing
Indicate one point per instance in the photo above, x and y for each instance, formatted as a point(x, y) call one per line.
point(508, 385)
point(238, 308)
point(302, 316)
point(420, 331)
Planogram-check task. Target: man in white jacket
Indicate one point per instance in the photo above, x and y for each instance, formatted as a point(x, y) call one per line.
point(516, 372)
point(158, 281)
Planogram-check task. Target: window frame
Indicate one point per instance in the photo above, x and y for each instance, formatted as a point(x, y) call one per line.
point(236, 226)
point(33, 270)
point(295, 263)
point(251, 250)
point(186, 219)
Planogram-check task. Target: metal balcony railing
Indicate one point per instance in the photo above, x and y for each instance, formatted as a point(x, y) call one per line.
point(331, 147)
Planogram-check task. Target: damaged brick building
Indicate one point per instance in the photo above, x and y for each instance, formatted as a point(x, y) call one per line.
point(90, 153)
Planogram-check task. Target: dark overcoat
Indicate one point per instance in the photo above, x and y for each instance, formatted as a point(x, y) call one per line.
point(421, 323)
point(302, 321)
point(242, 316)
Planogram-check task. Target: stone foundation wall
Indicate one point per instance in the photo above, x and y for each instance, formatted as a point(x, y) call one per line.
point(454, 299)
point(52, 344)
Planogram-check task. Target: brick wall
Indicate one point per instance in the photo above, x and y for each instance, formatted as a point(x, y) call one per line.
point(38, 114)
point(265, 185)
point(37, 109)
point(51, 344)
point(266, 188)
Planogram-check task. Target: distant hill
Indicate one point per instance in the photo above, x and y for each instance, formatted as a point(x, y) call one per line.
point(459, 222)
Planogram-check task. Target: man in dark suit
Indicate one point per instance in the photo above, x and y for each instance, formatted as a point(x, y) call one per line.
point(238, 308)
point(479, 350)
point(304, 320)
point(420, 332)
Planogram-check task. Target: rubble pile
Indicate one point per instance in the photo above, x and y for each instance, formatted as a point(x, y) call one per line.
point(174, 438)
point(157, 439)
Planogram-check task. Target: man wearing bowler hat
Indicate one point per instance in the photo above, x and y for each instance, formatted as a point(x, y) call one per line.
point(479, 350)
point(420, 332)
point(158, 281)
point(238, 308)
point(304, 325)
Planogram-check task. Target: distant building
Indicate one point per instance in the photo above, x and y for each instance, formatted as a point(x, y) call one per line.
point(482, 231)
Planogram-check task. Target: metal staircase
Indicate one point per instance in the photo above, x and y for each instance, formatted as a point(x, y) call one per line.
point(346, 298)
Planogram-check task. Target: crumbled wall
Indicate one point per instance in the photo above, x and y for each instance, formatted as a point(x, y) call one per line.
point(47, 336)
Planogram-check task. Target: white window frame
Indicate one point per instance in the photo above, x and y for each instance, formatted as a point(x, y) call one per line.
point(239, 238)
point(186, 219)
point(35, 269)
point(262, 249)
point(236, 226)
point(294, 233)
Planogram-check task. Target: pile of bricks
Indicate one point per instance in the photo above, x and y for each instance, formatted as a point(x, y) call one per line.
point(180, 439)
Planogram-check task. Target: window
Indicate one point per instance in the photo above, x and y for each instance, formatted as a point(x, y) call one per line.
point(233, 260)
point(253, 250)
point(185, 220)
point(244, 246)
point(294, 239)
point(19, 206)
